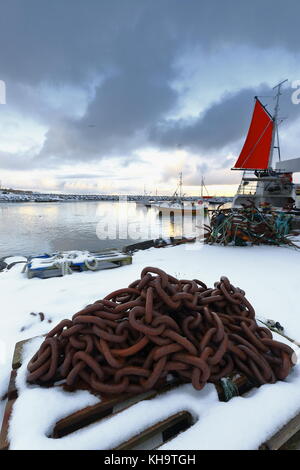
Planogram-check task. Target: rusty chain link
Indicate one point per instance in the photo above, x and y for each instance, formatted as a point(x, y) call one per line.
point(135, 337)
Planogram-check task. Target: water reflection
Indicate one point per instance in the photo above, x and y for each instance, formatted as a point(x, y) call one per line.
point(34, 228)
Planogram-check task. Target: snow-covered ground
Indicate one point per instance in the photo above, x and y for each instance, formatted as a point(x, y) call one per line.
point(270, 277)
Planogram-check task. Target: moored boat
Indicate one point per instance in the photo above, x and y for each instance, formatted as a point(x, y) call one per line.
point(178, 206)
point(262, 184)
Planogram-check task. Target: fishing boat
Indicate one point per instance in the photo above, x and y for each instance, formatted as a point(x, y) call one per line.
point(144, 202)
point(173, 208)
point(262, 184)
point(177, 205)
point(147, 200)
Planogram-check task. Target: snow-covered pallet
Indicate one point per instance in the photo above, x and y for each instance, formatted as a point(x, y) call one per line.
point(47, 266)
point(154, 435)
point(149, 438)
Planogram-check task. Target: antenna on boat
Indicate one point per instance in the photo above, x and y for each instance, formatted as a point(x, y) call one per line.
point(275, 119)
point(203, 187)
point(180, 184)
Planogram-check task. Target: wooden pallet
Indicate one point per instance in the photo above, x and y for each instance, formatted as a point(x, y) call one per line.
point(160, 432)
point(287, 438)
point(150, 438)
point(105, 260)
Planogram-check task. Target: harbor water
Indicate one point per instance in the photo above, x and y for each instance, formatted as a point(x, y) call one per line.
point(36, 228)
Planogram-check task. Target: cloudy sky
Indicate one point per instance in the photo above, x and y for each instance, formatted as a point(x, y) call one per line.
point(115, 96)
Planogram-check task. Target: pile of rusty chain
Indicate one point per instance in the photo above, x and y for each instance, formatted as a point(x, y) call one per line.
point(137, 336)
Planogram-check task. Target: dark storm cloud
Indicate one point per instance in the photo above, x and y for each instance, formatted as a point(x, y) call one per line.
point(133, 46)
point(219, 125)
point(115, 121)
point(225, 122)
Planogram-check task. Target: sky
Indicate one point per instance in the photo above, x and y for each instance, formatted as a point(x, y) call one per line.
point(120, 96)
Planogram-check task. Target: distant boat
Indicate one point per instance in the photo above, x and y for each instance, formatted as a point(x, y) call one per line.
point(147, 200)
point(142, 202)
point(178, 206)
point(173, 208)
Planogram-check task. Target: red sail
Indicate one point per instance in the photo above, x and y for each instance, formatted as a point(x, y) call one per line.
point(256, 151)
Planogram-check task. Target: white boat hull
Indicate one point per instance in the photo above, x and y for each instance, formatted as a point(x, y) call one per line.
point(177, 209)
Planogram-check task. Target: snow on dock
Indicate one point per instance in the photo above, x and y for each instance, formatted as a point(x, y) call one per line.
point(270, 277)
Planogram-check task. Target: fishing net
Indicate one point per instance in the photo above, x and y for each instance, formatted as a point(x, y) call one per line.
point(249, 226)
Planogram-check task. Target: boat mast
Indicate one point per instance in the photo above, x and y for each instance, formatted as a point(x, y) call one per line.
point(275, 128)
point(180, 185)
point(203, 187)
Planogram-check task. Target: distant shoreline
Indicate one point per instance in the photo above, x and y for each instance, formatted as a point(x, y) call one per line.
point(23, 196)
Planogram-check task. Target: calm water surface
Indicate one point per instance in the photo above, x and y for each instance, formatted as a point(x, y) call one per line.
point(37, 228)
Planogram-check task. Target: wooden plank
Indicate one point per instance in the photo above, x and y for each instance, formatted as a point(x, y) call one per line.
point(86, 416)
point(12, 391)
point(283, 435)
point(81, 418)
point(106, 407)
point(17, 357)
point(293, 443)
point(177, 427)
point(18, 352)
point(165, 427)
point(4, 443)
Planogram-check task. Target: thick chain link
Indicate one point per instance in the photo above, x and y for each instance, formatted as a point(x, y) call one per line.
point(135, 337)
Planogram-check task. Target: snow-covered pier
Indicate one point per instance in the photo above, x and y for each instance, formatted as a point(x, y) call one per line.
point(269, 275)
